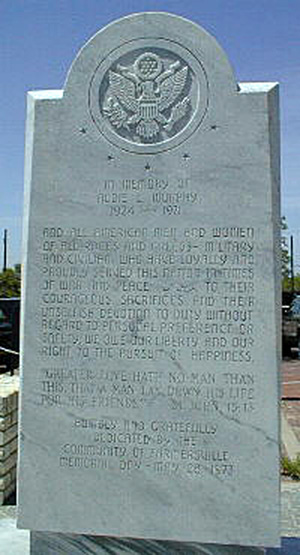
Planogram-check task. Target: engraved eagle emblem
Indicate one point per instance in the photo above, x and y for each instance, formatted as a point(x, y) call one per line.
point(145, 97)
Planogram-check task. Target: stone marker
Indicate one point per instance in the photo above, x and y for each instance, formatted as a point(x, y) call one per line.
point(150, 332)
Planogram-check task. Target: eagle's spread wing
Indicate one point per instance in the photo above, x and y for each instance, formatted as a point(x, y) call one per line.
point(171, 88)
point(124, 90)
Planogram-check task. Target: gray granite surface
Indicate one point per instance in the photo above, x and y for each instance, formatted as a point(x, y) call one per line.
point(16, 542)
point(150, 335)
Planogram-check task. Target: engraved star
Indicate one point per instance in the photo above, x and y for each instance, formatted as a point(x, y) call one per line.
point(82, 130)
point(186, 156)
point(110, 158)
point(147, 167)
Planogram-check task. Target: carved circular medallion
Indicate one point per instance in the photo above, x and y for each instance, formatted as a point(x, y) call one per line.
point(145, 98)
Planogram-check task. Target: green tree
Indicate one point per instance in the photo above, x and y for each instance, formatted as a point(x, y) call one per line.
point(10, 282)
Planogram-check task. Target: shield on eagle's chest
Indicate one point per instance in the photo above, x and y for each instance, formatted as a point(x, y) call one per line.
point(148, 110)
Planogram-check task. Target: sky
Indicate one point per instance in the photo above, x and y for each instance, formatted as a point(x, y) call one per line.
point(40, 38)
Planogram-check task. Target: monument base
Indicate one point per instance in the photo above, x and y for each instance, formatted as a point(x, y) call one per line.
point(48, 543)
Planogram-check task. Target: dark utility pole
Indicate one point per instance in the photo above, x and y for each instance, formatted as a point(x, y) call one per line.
point(5, 251)
point(292, 266)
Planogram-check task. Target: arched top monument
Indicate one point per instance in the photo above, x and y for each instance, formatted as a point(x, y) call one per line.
point(149, 80)
point(150, 331)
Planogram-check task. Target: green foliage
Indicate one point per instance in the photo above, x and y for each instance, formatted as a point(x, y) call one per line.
point(287, 283)
point(291, 467)
point(10, 282)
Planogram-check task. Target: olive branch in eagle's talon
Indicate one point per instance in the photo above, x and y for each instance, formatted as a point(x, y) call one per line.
point(115, 113)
